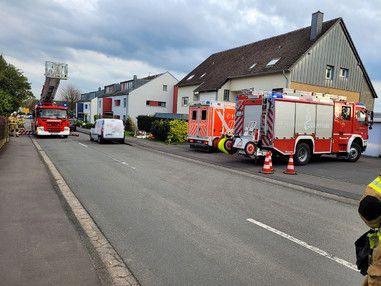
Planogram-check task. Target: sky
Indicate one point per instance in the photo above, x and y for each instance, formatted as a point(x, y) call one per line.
point(109, 41)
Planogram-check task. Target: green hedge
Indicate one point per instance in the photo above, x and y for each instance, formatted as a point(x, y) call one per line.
point(178, 131)
point(145, 122)
point(160, 129)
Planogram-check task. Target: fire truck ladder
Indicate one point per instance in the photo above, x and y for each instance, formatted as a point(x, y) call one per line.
point(54, 72)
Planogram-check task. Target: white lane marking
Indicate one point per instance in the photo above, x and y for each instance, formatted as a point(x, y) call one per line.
point(121, 162)
point(304, 244)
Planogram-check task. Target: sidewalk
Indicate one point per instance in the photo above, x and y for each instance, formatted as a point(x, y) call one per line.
point(39, 244)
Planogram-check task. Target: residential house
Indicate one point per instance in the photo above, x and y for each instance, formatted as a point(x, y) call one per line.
point(319, 58)
point(131, 98)
point(88, 103)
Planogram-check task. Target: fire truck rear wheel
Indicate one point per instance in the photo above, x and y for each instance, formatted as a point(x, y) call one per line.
point(302, 155)
point(354, 152)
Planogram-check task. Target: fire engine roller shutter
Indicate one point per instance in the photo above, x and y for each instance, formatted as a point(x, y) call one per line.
point(324, 125)
point(252, 113)
point(305, 118)
point(284, 120)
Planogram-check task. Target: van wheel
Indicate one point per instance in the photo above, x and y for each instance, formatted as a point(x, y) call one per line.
point(100, 139)
point(303, 154)
point(91, 138)
point(354, 152)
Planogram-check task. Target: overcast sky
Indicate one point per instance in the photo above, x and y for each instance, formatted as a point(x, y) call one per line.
point(109, 41)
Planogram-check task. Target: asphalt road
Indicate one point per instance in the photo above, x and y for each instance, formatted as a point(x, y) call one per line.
point(177, 221)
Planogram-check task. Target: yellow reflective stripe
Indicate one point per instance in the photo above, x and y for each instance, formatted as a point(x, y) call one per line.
point(376, 184)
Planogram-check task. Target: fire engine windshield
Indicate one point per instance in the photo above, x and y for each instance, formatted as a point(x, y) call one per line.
point(47, 113)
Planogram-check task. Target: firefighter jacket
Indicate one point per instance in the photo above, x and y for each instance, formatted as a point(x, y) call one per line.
point(370, 213)
point(13, 120)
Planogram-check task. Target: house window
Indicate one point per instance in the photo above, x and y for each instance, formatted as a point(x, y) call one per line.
point(273, 62)
point(344, 72)
point(185, 101)
point(156, 103)
point(190, 77)
point(117, 102)
point(329, 72)
point(165, 87)
point(252, 66)
point(124, 102)
point(100, 104)
point(226, 94)
point(85, 106)
point(203, 75)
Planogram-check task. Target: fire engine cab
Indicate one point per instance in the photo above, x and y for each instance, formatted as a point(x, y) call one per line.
point(300, 123)
point(208, 121)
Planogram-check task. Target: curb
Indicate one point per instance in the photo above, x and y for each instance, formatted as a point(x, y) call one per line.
point(113, 263)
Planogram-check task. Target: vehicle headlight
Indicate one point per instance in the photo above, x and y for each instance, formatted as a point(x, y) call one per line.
point(67, 128)
point(40, 128)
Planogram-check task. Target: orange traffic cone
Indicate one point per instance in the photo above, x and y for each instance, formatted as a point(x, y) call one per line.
point(271, 161)
point(290, 167)
point(266, 167)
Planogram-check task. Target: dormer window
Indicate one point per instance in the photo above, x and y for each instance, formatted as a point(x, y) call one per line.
point(190, 77)
point(203, 75)
point(273, 62)
point(252, 66)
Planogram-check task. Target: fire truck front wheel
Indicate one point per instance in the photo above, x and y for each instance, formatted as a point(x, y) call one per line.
point(303, 154)
point(354, 152)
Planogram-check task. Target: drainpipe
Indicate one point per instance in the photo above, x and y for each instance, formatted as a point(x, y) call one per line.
point(287, 81)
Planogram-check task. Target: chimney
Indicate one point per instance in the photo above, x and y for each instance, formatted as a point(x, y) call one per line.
point(316, 24)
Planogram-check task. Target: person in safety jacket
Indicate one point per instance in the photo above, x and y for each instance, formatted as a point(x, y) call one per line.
point(13, 124)
point(21, 122)
point(370, 212)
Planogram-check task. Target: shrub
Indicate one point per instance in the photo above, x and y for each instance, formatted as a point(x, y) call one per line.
point(145, 122)
point(130, 125)
point(178, 131)
point(160, 129)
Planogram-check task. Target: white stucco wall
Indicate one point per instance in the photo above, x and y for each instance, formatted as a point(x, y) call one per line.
point(120, 110)
point(93, 109)
point(153, 91)
point(186, 91)
point(263, 82)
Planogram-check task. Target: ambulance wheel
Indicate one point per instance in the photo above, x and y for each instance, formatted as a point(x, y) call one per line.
point(302, 155)
point(249, 148)
point(354, 152)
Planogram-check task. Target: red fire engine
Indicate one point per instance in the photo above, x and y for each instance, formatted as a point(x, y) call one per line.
point(50, 119)
point(208, 121)
point(300, 123)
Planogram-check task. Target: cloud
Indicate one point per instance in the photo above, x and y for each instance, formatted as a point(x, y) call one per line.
point(106, 41)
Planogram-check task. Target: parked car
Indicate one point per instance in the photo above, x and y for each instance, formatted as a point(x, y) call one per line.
point(73, 127)
point(107, 129)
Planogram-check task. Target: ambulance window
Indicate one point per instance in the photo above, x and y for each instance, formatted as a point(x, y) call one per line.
point(346, 113)
point(361, 117)
point(194, 115)
point(203, 115)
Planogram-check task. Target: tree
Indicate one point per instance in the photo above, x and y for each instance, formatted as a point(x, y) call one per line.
point(14, 88)
point(71, 95)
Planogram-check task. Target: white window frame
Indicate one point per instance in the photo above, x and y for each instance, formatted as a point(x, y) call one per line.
point(185, 101)
point(329, 72)
point(344, 73)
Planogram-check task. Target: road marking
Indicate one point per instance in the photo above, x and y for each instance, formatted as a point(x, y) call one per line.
point(121, 162)
point(304, 244)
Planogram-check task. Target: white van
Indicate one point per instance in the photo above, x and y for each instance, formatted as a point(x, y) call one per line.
point(107, 129)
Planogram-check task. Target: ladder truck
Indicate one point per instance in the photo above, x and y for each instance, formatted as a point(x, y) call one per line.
point(50, 119)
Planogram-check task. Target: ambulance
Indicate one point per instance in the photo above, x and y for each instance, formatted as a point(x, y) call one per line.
point(208, 121)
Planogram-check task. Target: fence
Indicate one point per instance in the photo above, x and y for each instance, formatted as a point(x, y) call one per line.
point(3, 131)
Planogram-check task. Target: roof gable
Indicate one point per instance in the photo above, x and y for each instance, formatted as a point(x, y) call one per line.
point(238, 62)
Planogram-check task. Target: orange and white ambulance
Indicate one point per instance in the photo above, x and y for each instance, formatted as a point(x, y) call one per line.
point(208, 121)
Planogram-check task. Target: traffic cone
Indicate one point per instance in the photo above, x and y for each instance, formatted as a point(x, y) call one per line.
point(290, 167)
point(266, 167)
point(271, 162)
